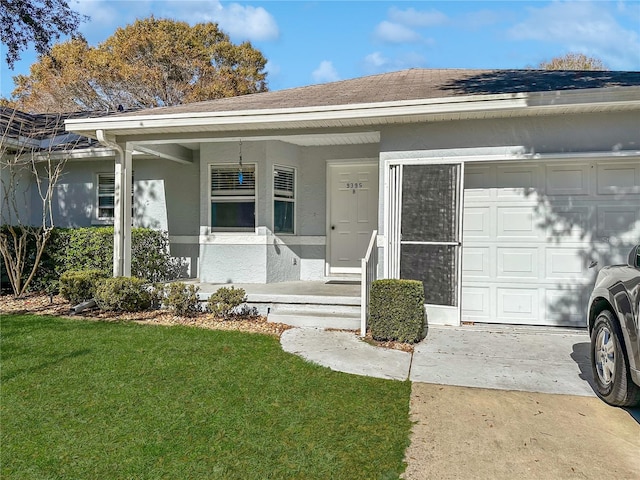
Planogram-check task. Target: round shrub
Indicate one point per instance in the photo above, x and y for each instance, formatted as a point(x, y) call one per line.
point(77, 286)
point(182, 299)
point(224, 302)
point(123, 294)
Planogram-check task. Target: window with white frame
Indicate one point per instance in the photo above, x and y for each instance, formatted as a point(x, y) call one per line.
point(284, 199)
point(106, 196)
point(233, 197)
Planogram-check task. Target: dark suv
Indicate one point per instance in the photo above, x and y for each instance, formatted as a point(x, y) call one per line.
point(613, 320)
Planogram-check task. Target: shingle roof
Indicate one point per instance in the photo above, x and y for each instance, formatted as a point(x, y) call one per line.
point(410, 84)
point(39, 127)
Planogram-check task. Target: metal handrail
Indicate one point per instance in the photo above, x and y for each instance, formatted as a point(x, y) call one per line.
point(369, 268)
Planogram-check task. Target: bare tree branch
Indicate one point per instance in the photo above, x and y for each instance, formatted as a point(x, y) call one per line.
point(33, 153)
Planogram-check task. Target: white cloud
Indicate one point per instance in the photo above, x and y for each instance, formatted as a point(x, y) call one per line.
point(415, 18)
point(376, 62)
point(583, 27)
point(252, 23)
point(239, 21)
point(99, 11)
point(396, 33)
point(325, 72)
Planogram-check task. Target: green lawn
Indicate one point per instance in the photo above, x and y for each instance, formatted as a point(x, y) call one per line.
point(97, 400)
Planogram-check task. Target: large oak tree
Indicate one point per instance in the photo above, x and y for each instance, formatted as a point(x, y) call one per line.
point(39, 22)
point(573, 61)
point(151, 63)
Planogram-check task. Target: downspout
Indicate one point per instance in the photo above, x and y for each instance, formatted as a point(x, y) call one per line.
point(118, 227)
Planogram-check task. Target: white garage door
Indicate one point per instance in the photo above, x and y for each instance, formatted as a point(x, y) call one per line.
point(531, 230)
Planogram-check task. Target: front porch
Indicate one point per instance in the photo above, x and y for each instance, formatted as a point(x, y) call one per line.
point(334, 303)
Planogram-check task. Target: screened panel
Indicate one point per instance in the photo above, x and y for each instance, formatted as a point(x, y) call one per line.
point(228, 180)
point(429, 203)
point(436, 267)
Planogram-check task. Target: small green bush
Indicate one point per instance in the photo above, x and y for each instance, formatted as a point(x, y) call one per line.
point(224, 302)
point(123, 294)
point(396, 310)
point(182, 299)
point(91, 248)
point(79, 285)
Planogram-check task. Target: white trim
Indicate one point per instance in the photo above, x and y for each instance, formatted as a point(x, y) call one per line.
point(442, 156)
point(619, 98)
point(224, 238)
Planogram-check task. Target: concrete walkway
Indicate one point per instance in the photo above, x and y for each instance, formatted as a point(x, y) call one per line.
point(531, 359)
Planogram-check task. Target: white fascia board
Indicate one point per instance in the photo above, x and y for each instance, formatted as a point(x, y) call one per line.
point(323, 113)
point(629, 97)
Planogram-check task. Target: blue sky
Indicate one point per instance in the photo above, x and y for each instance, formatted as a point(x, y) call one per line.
point(309, 42)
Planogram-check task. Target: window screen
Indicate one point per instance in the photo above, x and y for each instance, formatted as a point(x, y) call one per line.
point(233, 201)
point(283, 199)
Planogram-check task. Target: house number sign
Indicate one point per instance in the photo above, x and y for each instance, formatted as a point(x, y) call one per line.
point(354, 185)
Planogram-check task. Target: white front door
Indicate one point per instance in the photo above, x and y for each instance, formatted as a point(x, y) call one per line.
point(353, 214)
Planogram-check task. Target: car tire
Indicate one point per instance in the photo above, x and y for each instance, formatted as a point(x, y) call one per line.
point(610, 365)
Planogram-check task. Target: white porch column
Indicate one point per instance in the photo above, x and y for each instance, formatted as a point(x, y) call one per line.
point(122, 205)
point(118, 238)
point(122, 216)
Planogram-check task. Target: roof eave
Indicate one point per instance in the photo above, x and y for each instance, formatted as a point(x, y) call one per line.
point(472, 106)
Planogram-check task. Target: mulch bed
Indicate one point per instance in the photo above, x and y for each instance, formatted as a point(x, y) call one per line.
point(42, 304)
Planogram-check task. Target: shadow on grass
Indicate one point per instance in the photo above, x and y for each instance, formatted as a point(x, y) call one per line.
point(9, 375)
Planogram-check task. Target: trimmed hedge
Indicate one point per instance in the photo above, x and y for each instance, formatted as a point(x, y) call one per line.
point(91, 248)
point(396, 310)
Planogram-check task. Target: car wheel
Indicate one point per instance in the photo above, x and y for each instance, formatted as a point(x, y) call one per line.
point(609, 365)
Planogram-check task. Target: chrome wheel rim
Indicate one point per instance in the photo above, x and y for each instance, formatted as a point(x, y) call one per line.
point(605, 355)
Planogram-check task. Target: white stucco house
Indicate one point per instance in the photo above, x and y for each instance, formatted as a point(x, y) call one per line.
point(496, 188)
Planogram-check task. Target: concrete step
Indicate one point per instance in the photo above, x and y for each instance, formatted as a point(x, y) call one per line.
point(315, 309)
point(316, 321)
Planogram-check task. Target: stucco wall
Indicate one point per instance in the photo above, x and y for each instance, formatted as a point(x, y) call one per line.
point(282, 257)
point(166, 196)
point(19, 189)
point(511, 138)
point(604, 132)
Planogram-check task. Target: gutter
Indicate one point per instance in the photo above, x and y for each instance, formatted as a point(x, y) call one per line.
point(343, 115)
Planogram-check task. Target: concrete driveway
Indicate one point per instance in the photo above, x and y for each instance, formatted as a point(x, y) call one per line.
point(494, 402)
point(532, 359)
point(477, 433)
point(531, 413)
point(549, 360)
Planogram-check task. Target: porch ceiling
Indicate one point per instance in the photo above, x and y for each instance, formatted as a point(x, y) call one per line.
point(157, 146)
